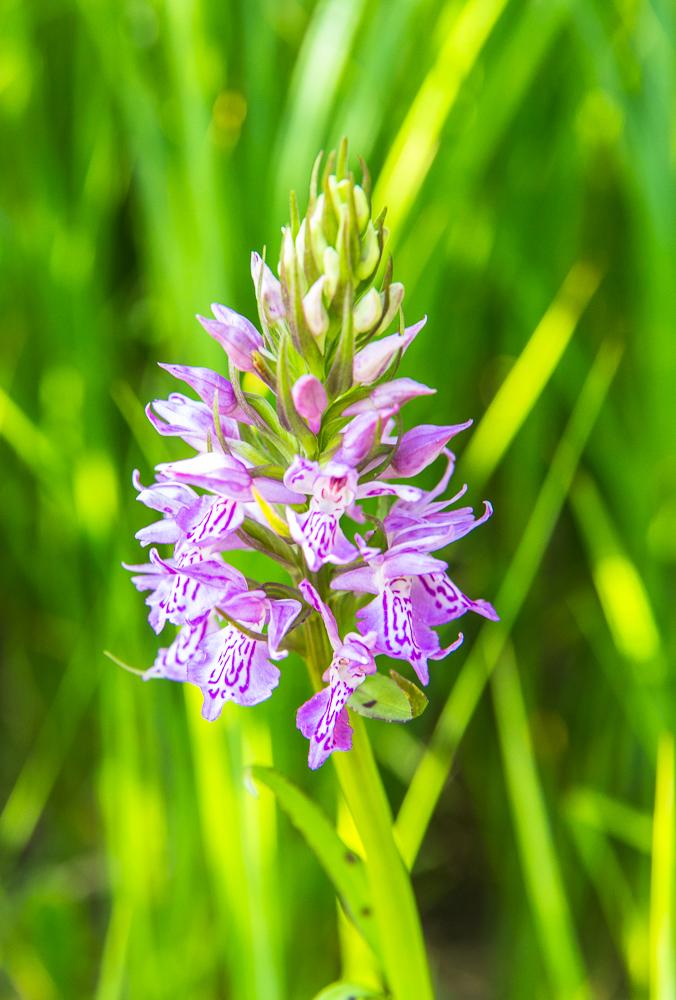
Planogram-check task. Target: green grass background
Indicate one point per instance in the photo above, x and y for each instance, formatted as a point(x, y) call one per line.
point(524, 151)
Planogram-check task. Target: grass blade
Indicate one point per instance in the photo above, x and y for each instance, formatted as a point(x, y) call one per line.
point(534, 836)
point(432, 771)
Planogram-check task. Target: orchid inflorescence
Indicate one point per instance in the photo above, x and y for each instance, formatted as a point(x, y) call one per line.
point(304, 438)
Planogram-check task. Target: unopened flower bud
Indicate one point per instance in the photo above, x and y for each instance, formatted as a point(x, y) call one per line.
point(370, 254)
point(300, 245)
point(420, 446)
point(267, 288)
point(288, 253)
point(317, 239)
point(331, 270)
point(358, 438)
point(395, 298)
point(314, 309)
point(362, 207)
point(368, 311)
point(309, 398)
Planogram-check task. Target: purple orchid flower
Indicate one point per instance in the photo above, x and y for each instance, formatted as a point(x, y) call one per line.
point(234, 665)
point(237, 336)
point(399, 628)
point(324, 720)
point(373, 360)
point(387, 398)
point(270, 289)
point(171, 663)
point(310, 400)
point(332, 490)
point(179, 416)
point(198, 520)
point(186, 587)
point(257, 479)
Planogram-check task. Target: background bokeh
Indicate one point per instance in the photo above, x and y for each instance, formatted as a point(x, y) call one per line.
point(524, 151)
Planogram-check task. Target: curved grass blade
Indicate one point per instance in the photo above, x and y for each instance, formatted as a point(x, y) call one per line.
point(432, 771)
point(542, 875)
point(345, 869)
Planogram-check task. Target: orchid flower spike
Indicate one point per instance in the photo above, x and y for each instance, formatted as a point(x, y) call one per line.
point(308, 464)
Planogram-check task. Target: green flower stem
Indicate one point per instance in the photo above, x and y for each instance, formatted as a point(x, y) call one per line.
point(401, 937)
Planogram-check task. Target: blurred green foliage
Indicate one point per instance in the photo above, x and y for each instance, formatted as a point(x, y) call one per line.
point(523, 149)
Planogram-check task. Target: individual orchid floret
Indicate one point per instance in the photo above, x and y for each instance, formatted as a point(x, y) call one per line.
point(333, 489)
point(310, 400)
point(358, 438)
point(419, 447)
point(399, 630)
point(235, 660)
point(268, 289)
point(180, 416)
point(184, 588)
point(237, 336)
point(209, 386)
point(387, 398)
point(318, 532)
point(171, 663)
point(207, 520)
point(372, 361)
point(323, 720)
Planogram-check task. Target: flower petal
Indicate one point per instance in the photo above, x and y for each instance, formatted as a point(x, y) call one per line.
point(372, 361)
point(311, 596)
point(235, 668)
point(310, 399)
point(419, 447)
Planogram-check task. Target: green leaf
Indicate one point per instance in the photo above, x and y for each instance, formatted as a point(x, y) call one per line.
point(390, 699)
point(345, 868)
point(347, 991)
point(418, 700)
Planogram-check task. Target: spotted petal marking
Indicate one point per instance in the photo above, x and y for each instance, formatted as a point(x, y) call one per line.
point(172, 663)
point(183, 593)
point(235, 668)
point(441, 601)
point(222, 517)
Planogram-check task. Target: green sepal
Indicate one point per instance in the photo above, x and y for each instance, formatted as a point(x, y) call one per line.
point(264, 540)
point(340, 376)
point(390, 699)
point(289, 275)
point(294, 215)
point(346, 869)
point(285, 405)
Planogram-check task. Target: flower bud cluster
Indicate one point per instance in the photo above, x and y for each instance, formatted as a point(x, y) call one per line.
point(302, 463)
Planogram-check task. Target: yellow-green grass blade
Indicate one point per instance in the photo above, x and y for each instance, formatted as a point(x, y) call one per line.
point(417, 142)
point(217, 753)
point(430, 775)
point(611, 817)
point(623, 594)
point(625, 919)
point(663, 879)
point(534, 837)
point(527, 379)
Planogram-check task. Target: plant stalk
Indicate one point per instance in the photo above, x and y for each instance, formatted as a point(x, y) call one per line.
point(401, 938)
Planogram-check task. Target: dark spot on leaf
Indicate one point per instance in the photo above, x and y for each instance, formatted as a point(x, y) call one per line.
point(370, 704)
point(366, 911)
point(350, 858)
